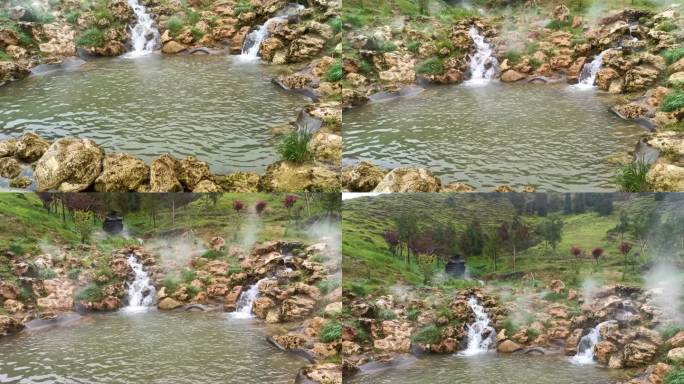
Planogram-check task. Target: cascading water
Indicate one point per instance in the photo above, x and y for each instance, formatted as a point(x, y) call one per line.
point(141, 292)
point(483, 64)
point(585, 348)
point(590, 71)
point(480, 334)
point(144, 35)
point(243, 307)
point(252, 44)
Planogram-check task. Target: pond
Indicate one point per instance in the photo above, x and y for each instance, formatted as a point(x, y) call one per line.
point(487, 369)
point(211, 106)
point(548, 136)
point(148, 347)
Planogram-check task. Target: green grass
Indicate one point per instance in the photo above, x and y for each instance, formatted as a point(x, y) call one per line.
point(336, 24)
point(334, 72)
point(174, 25)
point(91, 37)
point(428, 334)
point(412, 314)
point(92, 292)
point(385, 314)
point(213, 255)
point(73, 273)
point(413, 46)
point(243, 6)
point(4, 56)
point(558, 25)
point(171, 283)
point(431, 66)
point(673, 101)
point(188, 275)
point(513, 56)
point(673, 55)
point(72, 17)
point(295, 147)
point(331, 331)
point(632, 177)
point(675, 376)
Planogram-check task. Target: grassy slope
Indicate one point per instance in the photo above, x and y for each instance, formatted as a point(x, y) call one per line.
point(367, 259)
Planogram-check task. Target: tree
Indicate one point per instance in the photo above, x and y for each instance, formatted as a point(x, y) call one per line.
point(427, 265)
point(623, 225)
point(332, 203)
point(596, 253)
point(391, 237)
point(289, 202)
point(259, 207)
point(472, 239)
point(575, 251)
point(578, 203)
point(551, 231)
point(518, 235)
point(625, 248)
point(407, 227)
point(83, 223)
point(492, 246)
point(567, 206)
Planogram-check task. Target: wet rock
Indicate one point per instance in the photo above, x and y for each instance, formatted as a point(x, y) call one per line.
point(297, 307)
point(603, 351)
point(238, 182)
point(457, 187)
point(305, 47)
point(122, 172)
point(191, 171)
point(362, 177)
point(168, 303)
point(285, 176)
point(9, 167)
point(326, 147)
point(409, 180)
point(512, 76)
point(572, 342)
point(10, 326)
point(322, 373)
point(663, 177)
point(508, 346)
point(261, 306)
point(173, 47)
point(8, 147)
point(576, 69)
point(30, 147)
point(232, 298)
point(69, 165)
point(638, 353)
point(163, 175)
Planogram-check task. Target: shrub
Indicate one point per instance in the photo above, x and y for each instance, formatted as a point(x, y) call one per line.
point(105, 273)
point(188, 275)
point(174, 25)
point(326, 286)
point(532, 333)
point(334, 72)
point(336, 25)
point(510, 326)
point(675, 376)
point(17, 248)
point(4, 56)
point(386, 314)
point(558, 24)
point(170, 283)
point(428, 334)
point(331, 331)
point(359, 288)
point(673, 101)
point(72, 17)
point(632, 177)
point(667, 26)
point(413, 314)
point(212, 254)
point(552, 296)
point(673, 55)
point(260, 207)
point(413, 46)
point(47, 273)
point(387, 46)
point(73, 273)
point(242, 6)
point(196, 33)
point(513, 56)
point(192, 290)
point(431, 66)
point(192, 17)
point(25, 294)
point(92, 292)
point(295, 147)
point(92, 37)
point(670, 331)
point(365, 67)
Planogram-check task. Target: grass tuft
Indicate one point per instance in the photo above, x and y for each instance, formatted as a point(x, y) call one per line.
point(295, 147)
point(632, 177)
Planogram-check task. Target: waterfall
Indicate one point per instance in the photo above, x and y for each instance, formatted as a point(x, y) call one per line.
point(243, 307)
point(590, 71)
point(585, 348)
point(141, 292)
point(252, 44)
point(483, 64)
point(144, 36)
point(480, 333)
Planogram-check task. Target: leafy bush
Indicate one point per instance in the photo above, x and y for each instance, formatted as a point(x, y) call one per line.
point(432, 66)
point(92, 292)
point(91, 37)
point(336, 25)
point(188, 275)
point(174, 25)
point(170, 283)
point(212, 254)
point(295, 147)
point(413, 314)
point(632, 177)
point(673, 101)
point(331, 331)
point(72, 17)
point(334, 72)
point(673, 55)
point(73, 273)
point(675, 376)
point(427, 335)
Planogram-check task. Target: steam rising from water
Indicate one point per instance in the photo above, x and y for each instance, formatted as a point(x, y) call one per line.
point(666, 284)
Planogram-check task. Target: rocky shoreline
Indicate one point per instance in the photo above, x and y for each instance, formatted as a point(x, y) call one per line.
point(289, 295)
point(384, 331)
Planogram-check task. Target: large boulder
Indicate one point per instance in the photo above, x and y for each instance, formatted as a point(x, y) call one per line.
point(191, 171)
point(30, 147)
point(286, 176)
point(508, 346)
point(297, 307)
point(69, 165)
point(9, 325)
point(238, 182)
point(326, 147)
point(512, 76)
point(163, 175)
point(638, 353)
point(173, 47)
point(305, 47)
point(122, 172)
point(663, 177)
point(362, 177)
point(8, 147)
point(406, 179)
point(640, 78)
point(676, 354)
point(168, 304)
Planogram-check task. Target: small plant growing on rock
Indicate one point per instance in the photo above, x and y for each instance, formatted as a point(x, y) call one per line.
point(412, 314)
point(48, 273)
point(673, 55)
point(331, 331)
point(632, 177)
point(92, 292)
point(192, 290)
point(431, 66)
point(188, 275)
point(295, 147)
point(429, 334)
point(174, 25)
point(170, 283)
point(334, 72)
point(675, 376)
point(336, 24)
point(413, 46)
point(673, 101)
point(212, 255)
point(91, 37)
point(74, 273)
point(386, 314)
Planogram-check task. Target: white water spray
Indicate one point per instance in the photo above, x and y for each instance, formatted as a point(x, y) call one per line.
point(144, 35)
point(483, 64)
point(585, 348)
point(252, 44)
point(141, 292)
point(590, 71)
point(243, 307)
point(480, 334)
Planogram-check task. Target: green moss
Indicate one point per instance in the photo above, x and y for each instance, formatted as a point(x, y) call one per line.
point(91, 37)
point(331, 331)
point(196, 34)
point(4, 56)
point(428, 334)
point(675, 376)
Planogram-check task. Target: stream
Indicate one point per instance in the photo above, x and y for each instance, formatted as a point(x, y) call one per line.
point(548, 136)
point(148, 347)
point(211, 106)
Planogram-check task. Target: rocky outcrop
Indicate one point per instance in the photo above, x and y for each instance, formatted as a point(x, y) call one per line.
point(362, 177)
point(409, 180)
point(69, 165)
point(163, 175)
point(288, 176)
point(122, 172)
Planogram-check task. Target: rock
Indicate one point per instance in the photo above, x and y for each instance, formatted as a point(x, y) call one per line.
point(8, 291)
point(8, 147)
point(603, 351)
point(59, 296)
point(305, 47)
point(261, 306)
point(191, 171)
point(20, 182)
point(297, 307)
point(400, 68)
point(8, 37)
point(556, 286)
point(285, 176)
point(326, 147)
point(269, 47)
point(167, 304)
point(333, 308)
point(206, 186)
point(122, 172)
point(676, 354)
point(561, 12)
point(640, 78)
point(10, 326)
point(512, 76)
point(576, 69)
point(9, 167)
point(362, 177)
point(406, 179)
point(232, 298)
point(238, 39)
point(572, 341)
point(677, 66)
point(638, 353)
point(630, 111)
point(238, 182)
point(663, 177)
point(328, 373)
point(69, 165)
point(163, 175)
point(173, 47)
point(677, 340)
point(508, 346)
point(457, 187)
point(30, 147)
point(676, 79)
point(13, 306)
